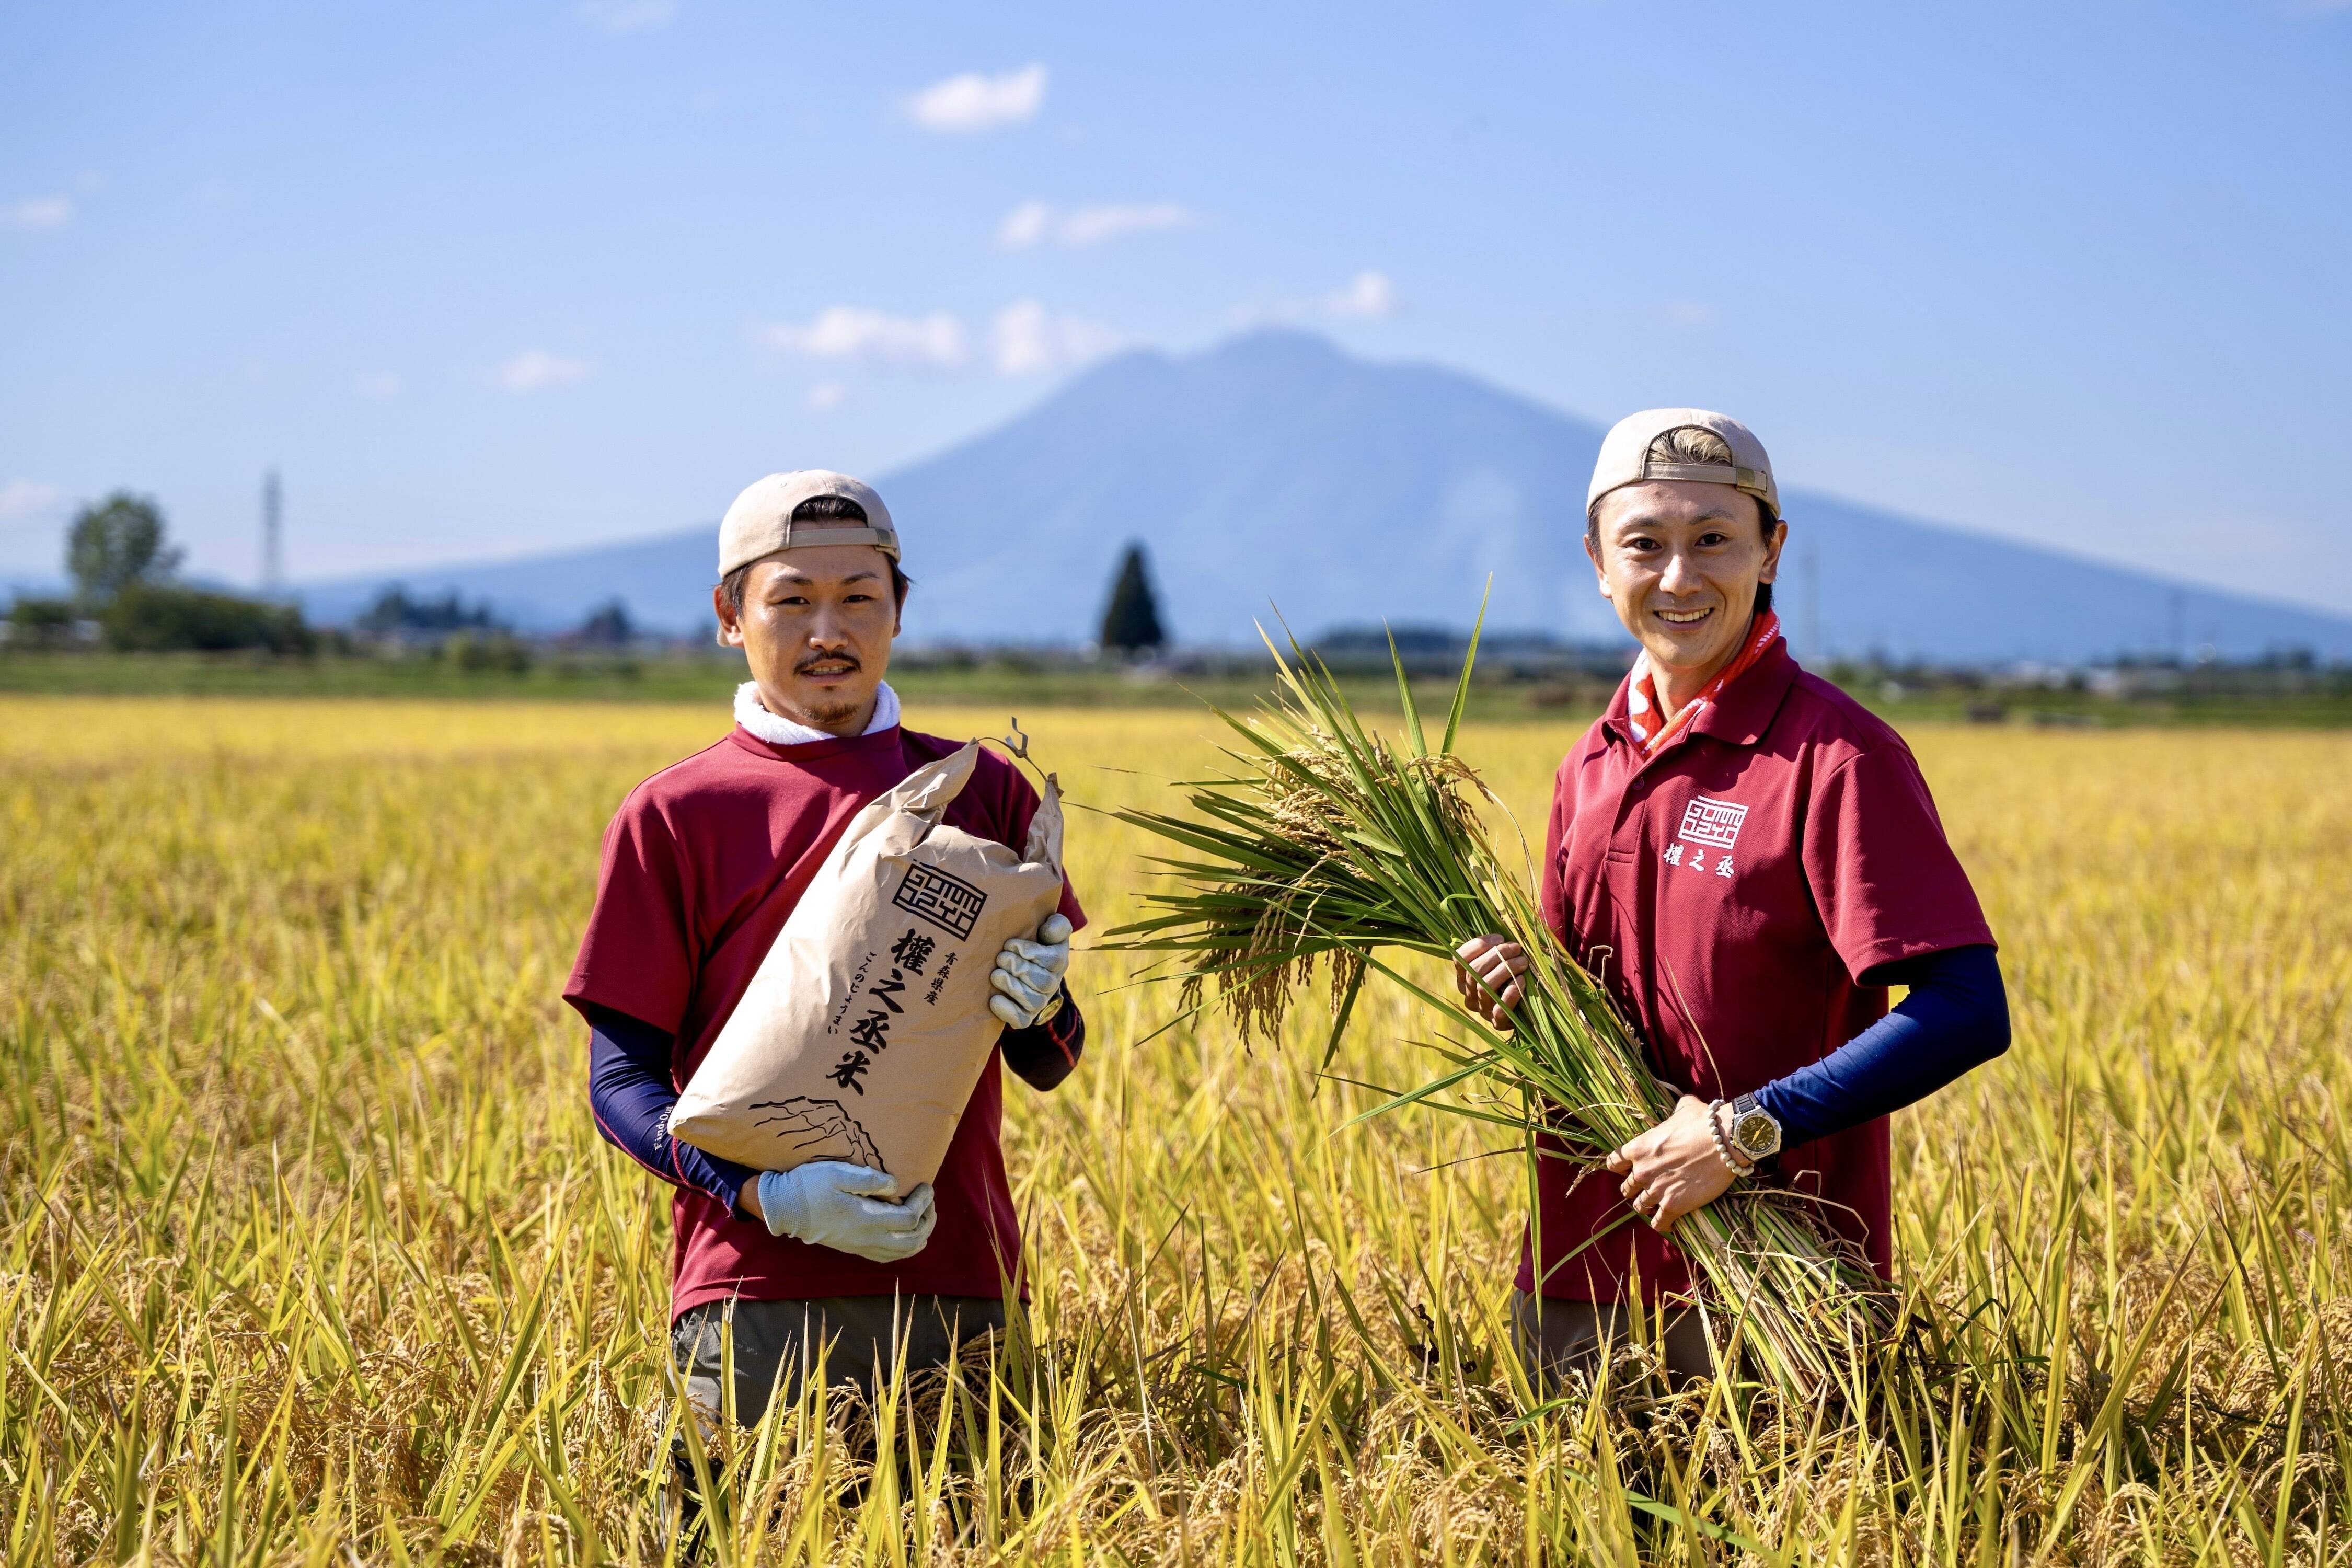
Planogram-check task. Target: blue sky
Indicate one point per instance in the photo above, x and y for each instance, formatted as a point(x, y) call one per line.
point(486, 279)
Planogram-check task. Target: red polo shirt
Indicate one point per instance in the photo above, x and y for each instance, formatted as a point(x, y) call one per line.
point(702, 864)
point(1735, 893)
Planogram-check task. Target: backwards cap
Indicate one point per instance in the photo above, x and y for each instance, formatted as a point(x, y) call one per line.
point(760, 523)
point(1625, 456)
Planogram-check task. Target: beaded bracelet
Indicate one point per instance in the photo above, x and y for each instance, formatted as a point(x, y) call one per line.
point(1723, 1144)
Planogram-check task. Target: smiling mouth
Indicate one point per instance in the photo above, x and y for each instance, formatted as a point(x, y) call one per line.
point(826, 669)
point(1685, 617)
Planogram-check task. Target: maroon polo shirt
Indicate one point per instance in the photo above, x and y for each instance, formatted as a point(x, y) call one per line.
point(702, 864)
point(1736, 894)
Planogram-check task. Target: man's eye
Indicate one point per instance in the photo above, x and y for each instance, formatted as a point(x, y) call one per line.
point(1715, 539)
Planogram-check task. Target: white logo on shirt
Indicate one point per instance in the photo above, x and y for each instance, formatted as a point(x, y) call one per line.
point(1713, 822)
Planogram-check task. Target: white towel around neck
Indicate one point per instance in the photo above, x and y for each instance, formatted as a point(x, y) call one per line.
point(754, 716)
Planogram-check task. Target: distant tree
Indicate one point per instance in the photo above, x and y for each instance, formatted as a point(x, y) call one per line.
point(608, 626)
point(158, 616)
point(1130, 622)
point(41, 623)
point(478, 653)
point(396, 613)
point(116, 542)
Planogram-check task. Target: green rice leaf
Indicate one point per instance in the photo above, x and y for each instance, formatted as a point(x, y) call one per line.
point(1469, 660)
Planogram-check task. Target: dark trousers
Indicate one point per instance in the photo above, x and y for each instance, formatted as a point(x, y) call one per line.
point(1554, 1337)
point(778, 1344)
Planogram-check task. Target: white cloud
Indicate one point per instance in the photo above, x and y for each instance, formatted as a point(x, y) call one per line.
point(1024, 225)
point(37, 214)
point(533, 370)
point(972, 102)
point(628, 16)
point(1033, 222)
point(826, 395)
point(851, 331)
point(1028, 337)
point(1023, 339)
point(1369, 295)
point(26, 498)
point(382, 384)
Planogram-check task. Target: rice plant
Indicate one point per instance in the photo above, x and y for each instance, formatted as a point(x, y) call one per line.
point(1332, 845)
point(310, 1253)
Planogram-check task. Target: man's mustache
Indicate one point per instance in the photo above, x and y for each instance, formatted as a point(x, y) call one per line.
point(813, 660)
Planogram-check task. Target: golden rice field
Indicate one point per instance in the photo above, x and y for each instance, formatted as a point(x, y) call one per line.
point(309, 1252)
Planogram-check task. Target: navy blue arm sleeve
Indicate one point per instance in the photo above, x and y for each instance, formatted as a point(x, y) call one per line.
point(630, 1094)
point(1044, 1054)
point(1956, 1017)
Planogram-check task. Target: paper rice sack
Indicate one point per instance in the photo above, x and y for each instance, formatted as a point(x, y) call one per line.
point(867, 1025)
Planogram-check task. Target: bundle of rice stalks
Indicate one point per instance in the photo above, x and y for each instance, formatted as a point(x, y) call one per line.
point(1332, 846)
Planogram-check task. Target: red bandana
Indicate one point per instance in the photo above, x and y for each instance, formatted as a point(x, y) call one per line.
point(1642, 700)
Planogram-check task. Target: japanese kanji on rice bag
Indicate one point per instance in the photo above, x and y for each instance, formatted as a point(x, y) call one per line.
point(867, 1025)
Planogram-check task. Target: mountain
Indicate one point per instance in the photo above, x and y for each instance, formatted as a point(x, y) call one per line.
point(1277, 472)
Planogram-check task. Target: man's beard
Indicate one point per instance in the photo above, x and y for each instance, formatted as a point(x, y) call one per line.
point(829, 712)
point(826, 709)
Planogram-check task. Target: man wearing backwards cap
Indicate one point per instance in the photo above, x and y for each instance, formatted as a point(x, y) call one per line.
point(702, 864)
point(1749, 858)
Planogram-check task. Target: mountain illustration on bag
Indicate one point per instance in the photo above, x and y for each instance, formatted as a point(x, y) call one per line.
point(817, 1129)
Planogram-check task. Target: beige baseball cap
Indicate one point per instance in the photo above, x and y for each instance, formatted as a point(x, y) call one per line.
point(761, 523)
point(1625, 456)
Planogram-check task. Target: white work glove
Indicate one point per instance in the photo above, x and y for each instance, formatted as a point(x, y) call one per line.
point(1028, 975)
point(830, 1203)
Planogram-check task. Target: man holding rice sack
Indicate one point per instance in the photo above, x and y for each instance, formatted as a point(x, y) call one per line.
point(1747, 858)
point(812, 944)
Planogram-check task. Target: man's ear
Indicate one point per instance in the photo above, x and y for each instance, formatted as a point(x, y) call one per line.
point(1774, 543)
point(1592, 554)
point(730, 621)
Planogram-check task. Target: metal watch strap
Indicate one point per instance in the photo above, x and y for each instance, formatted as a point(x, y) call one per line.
point(1744, 1108)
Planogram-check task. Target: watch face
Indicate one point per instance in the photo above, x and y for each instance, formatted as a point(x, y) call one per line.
point(1754, 1135)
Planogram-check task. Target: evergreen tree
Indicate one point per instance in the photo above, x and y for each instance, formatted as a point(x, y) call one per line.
point(608, 625)
point(1130, 622)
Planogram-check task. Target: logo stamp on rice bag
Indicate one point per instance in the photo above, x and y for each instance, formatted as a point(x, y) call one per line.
point(867, 1025)
point(948, 902)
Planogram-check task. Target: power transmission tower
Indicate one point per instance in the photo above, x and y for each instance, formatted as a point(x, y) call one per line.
point(273, 540)
point(1813, 606)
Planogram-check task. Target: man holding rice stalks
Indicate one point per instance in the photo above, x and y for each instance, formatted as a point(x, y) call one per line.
point(1746, 857)
point(702, 866)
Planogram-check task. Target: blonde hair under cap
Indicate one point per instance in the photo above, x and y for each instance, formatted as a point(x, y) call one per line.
point(1626, 458)
point(761, 523)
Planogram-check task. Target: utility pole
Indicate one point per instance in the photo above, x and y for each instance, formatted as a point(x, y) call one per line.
point(1813, 606)
point(273, 540)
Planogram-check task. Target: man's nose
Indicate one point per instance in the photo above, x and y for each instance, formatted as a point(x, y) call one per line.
point(1681, 575)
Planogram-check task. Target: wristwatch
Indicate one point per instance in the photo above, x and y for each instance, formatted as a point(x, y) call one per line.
point(1755, 1132)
